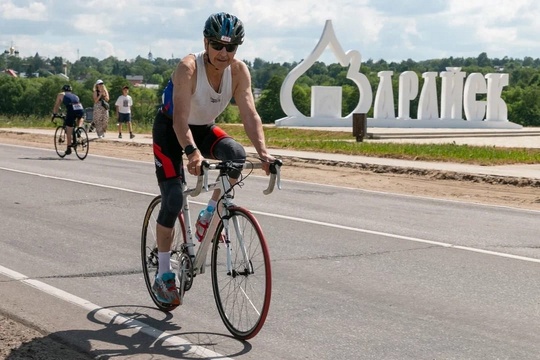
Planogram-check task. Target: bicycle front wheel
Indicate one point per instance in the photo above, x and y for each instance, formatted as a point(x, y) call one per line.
point(60, 141)
point(241, 274)
point(81, 143)
point(149, 250)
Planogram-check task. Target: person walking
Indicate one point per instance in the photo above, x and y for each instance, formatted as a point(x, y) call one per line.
point(123, 109)
point(101, 108)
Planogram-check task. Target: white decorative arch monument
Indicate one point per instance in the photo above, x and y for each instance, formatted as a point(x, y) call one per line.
point(458, 95)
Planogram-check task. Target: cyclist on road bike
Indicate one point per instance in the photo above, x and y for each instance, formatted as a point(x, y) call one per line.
point(199, 90)
point(74, 112)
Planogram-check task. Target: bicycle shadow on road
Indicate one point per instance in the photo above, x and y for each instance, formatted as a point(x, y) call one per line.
point(46, 158)
point(128, 332)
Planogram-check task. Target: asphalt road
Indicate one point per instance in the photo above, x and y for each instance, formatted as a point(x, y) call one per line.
point(357, 274)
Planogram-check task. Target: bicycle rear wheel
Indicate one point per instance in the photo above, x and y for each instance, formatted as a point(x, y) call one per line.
point(81, 143)
point(60, 141)
point(243, 292)
point(149, 251)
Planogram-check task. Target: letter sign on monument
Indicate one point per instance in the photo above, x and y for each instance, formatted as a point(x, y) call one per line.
point(459, 106)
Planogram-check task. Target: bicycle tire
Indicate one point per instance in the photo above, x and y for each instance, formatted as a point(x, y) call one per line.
point(60, 141)
point(149, 255)
point(242, 297)
point(81, 143)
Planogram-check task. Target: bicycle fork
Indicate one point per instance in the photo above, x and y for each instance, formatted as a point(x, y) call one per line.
point(248, 268)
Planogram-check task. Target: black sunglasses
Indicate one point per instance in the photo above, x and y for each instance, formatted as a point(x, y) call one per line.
point(218, 46)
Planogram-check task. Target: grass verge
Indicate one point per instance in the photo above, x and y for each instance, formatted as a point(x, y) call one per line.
point(343, 143)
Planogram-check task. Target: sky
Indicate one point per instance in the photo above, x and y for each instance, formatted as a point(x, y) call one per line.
point(276, 31)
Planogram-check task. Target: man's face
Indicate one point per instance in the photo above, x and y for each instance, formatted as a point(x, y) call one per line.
point(220, 54)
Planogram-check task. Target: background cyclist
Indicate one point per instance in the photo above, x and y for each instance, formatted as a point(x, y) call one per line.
point(74, 112)
point(200, 88)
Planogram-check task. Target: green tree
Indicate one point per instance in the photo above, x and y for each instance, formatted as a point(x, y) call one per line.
point(143, 67)
point(268, 105)
point(229, 115)
point(351, 97)
point(155, 79)
point(258, 63)
point(11, 91)
point(483, 60)
point(15, 63)
point(32, 95)
point(301, 95)
point(145, 102)
point(523, 105)
point(57, 65)
point(261, 78)
point(106, 66)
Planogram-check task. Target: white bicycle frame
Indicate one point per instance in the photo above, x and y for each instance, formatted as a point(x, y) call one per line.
point(223, 184)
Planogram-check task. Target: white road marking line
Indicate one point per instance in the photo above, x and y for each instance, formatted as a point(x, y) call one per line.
point(117, 318)
point(402, 237)
point(76, 181)
point(321, 223)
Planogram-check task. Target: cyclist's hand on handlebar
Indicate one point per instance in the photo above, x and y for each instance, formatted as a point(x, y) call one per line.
point(194, 163)
point(267, 160)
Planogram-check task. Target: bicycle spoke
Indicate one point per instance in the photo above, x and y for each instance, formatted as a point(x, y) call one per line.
point(242, 292)
point(60, 141)
point(149, 250)
point(81, 143)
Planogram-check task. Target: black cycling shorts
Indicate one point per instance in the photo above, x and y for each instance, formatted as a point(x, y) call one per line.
point(72, 116)
point(212, 141)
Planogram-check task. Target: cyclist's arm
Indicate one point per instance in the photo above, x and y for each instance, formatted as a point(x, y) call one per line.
point(59, 99)
point(184, 81)
point(248, 113)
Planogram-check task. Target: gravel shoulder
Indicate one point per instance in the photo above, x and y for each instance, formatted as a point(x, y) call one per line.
point(21, 341)
point(495, 190)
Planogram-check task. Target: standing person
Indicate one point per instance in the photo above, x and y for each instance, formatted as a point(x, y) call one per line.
point(74, 112)
point(200, 89)
point(123, 109)
point(101, 108)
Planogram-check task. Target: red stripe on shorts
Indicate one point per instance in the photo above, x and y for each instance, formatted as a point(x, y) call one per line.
point(166, 163)
point(219, 133)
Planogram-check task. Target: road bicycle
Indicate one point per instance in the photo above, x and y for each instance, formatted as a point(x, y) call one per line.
point(240, 261)
point(79, 139)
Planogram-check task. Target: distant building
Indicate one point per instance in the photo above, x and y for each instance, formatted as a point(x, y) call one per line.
point(11, 72)
point(147, 86)
point(135, 80)
point(25, 75)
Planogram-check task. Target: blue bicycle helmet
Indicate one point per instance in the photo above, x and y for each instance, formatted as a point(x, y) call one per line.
point(225, 28)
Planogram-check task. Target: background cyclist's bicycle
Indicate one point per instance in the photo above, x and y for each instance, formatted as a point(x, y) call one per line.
point(79, 139)
point(240, 260)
